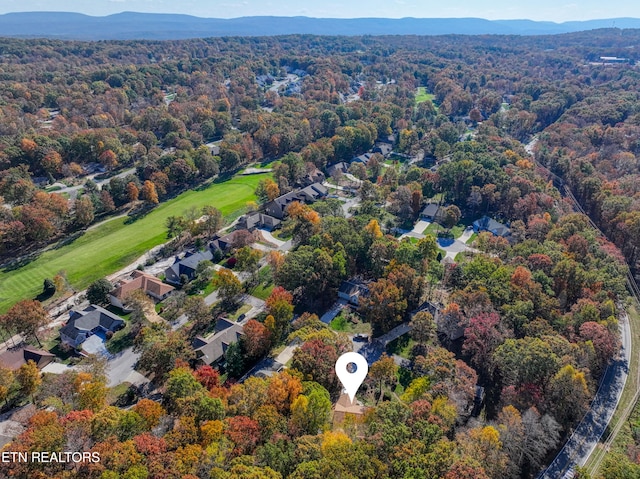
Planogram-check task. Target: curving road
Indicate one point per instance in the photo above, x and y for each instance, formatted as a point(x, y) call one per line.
point(584, 439)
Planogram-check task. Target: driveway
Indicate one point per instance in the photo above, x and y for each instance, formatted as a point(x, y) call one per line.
point(420, 226)
point(120, 369)
point(334, 311)
point(452, 247)
point(95, 345)
point(270, 238)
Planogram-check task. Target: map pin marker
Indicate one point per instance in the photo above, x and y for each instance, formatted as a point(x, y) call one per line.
point(351, 380)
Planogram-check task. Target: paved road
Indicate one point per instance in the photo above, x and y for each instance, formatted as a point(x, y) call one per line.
point(72, 191)
point(583, 441)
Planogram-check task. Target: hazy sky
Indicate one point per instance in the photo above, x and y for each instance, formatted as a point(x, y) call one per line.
point(552, 10)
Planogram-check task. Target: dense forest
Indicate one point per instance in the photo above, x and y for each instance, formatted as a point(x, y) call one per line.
point(532, 318)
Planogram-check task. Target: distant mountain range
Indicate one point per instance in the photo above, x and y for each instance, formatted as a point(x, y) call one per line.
point(153, 26)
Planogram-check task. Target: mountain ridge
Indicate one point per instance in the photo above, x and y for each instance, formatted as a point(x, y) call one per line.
point(162, 26)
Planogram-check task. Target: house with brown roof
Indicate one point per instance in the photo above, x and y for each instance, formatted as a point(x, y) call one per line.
point(344, 407)
point(140, 280)
point(13, 358)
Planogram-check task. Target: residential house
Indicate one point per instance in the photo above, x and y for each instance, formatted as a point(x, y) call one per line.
point(211, 350)
point(85, 323)
point(364, 159)
point(432, 212)
point(140, 280)
point(256, 220)
point(342, 167)
point(384, 149)
point(13, 358)
point(344, 406)
point(390, 139)
point(186, 266)
point(489, 224)
point(352, 292)
point(236, 239)
point(313, 176)
point(308, 194)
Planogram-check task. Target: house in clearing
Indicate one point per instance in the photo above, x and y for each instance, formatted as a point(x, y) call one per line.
point(140, 280)
point(211, 350)
point(489, 224)
point(89, 321)
point(13, 358)
point(308, 194)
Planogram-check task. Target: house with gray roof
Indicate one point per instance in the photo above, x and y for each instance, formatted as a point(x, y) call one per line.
point(432, 212)
point(258, 220)
point(186, 266)
point(308, 194)
point(489, 224)
point(211, 350)
point(91, 320)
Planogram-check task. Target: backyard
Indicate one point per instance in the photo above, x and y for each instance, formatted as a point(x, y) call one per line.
point(115, 244)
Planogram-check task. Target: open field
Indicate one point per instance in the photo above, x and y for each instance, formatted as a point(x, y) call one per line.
point(422, 95)
point(115, 244)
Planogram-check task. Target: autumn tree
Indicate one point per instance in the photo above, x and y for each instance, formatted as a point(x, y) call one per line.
point(28, 378)
point(26, 317)
point(150, 411)
point(257, 339)
point(197, 311)
point(569, 395)
point(132, 192)
point(383, 371)
point(213, 220)
point(6, 381)
point(481, 337)
point(267, 190)
point(279, 305)
point(84, 210)
point(228, 285)
point(423, 327)
point(316, 360)
point(148, 192)
point(385, 306)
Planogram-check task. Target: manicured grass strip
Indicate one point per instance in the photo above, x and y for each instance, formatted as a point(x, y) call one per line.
point(115, 244)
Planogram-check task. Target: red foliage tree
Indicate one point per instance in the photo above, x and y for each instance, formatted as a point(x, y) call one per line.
point(244, 432)
point(482, 336)
point(207, 376)
point(257, 338)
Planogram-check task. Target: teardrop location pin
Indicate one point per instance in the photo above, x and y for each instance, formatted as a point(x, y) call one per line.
point(351, 380)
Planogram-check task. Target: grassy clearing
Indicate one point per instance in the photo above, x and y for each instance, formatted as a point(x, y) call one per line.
point(343, 324)
point(422, 95)
point(401, 346)
point(115, 244)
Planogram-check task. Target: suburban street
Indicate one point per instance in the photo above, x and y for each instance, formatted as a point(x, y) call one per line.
point(584, 439)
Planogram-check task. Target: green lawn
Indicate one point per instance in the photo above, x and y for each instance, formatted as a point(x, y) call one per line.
point(422, 95)
point(114, 244)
